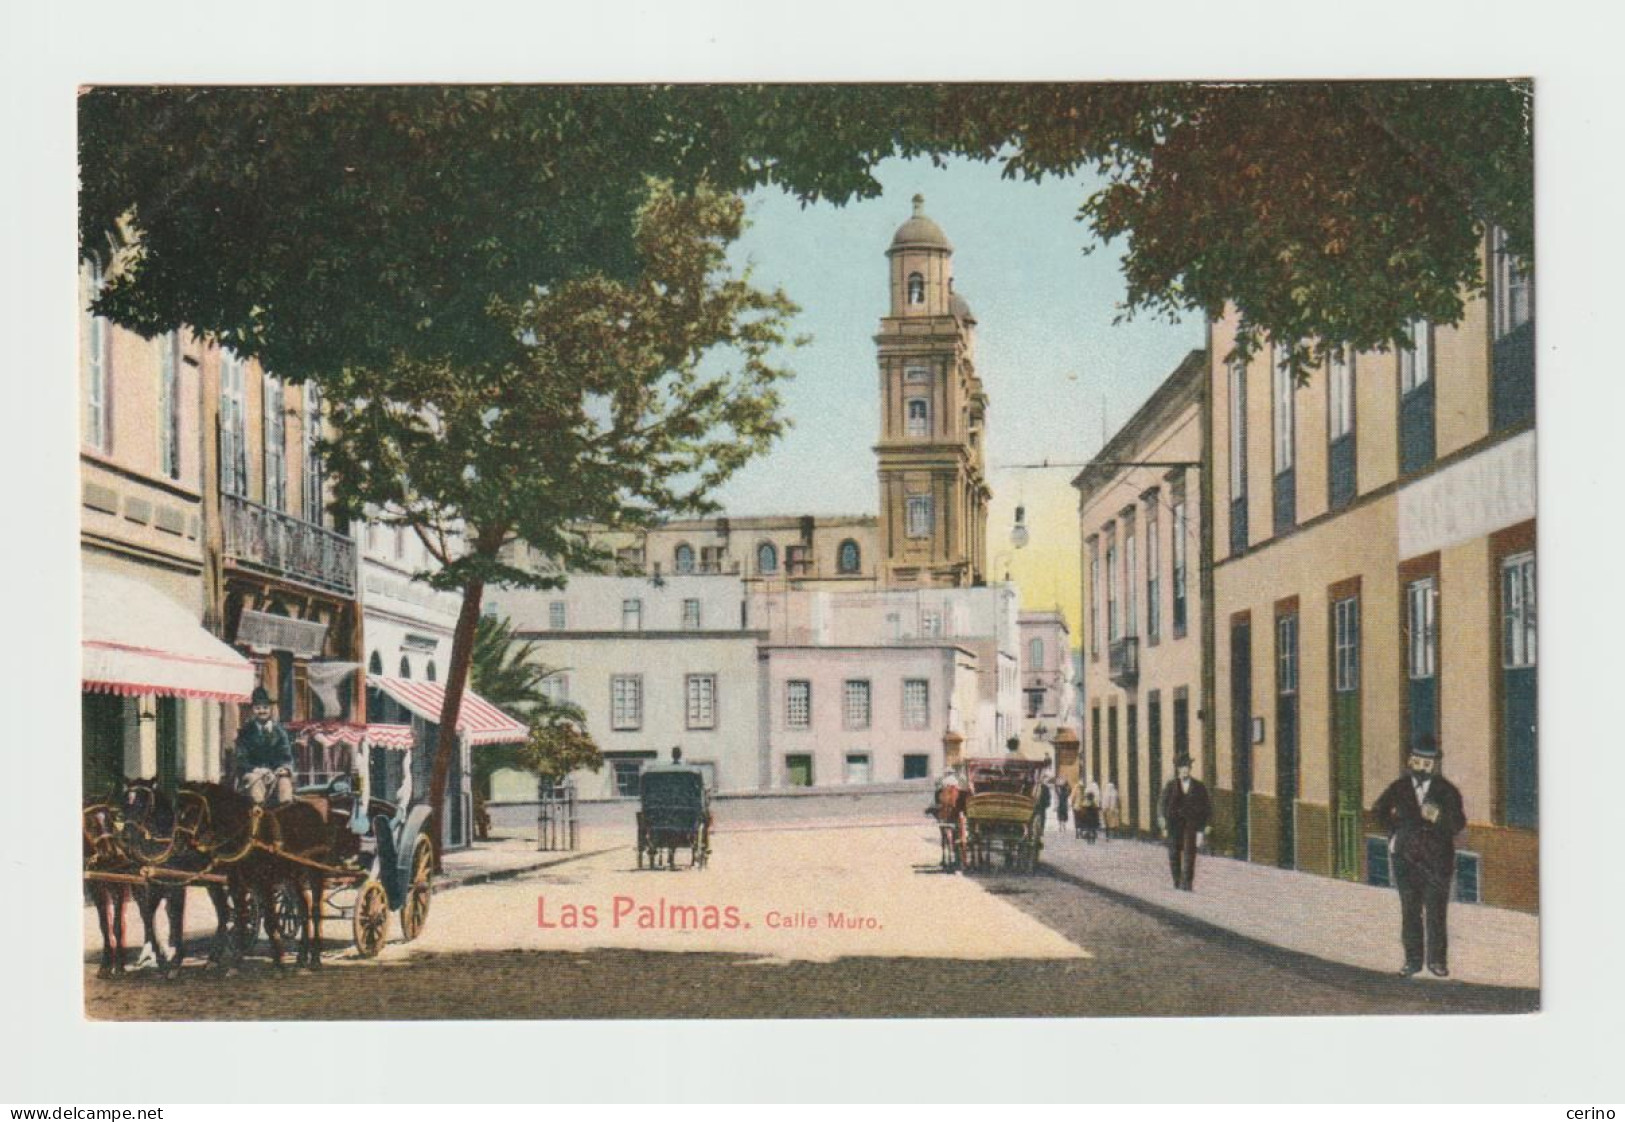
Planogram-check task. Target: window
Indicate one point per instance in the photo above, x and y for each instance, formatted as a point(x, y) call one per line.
point(917, 375)
point(1286, 655)
point(372, 534)
point(1284, 414)
point(430, 673)
point(1035, 654)
point(557, 616)
point(857, 767)
point(855, 703)
point(1111, 587)
point(683, 559)
point(1518, 611)
point(1094, 597)
point(233, 433)
point(1238, 457)
point(767, 558)
point(919, 417)
point(691, 615)
point(919, 516)
point(406, 667)
point(400, 543)
point(556, 688)
point(1340, 394)
point(626, 702)
point(1346, 644)
point(1153, 565)
point(848, 558)
point(798, 770)
point(1512, 289)
point(626, 772)
point(711, 557)
point(1416, 433)
point(629, 559)
point(169, 405)
point(1422, 628)
point(375, 664)
point(1131, 619)
point(916, 766)
point(631, 615)
point(1416, 361)
point(98, 401)
point(930, 623)
point(274, 433)
point(315, 498)
point(796, 563)
point(1181, 609)
point(798, 704)
point(916, 288)
point(1035, 703)
point(702, 701)
point(1341, 472)
point(916, 703)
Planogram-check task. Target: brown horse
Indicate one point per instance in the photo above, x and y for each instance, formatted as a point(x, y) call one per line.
point(103, 855)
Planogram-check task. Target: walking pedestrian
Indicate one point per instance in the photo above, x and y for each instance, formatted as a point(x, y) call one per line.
point(1063, 796)
point(1185, 811)
point(1108, 808)
point(1422, 811)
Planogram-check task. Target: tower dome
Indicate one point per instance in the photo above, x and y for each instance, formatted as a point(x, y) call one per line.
point(919, 232)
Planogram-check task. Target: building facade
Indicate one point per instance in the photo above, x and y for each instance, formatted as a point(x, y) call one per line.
point(156, 682)
point(1374, 585)
point(933, 487)
point(1141, 524)
point(1050, 696)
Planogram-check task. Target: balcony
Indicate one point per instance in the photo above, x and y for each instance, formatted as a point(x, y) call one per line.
point(1123, 663)
point(281, 545)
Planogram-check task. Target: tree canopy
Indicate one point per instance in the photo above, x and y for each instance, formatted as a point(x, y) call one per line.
point(323, 227)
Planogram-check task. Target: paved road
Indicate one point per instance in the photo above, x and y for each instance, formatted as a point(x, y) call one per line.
point(851, 918)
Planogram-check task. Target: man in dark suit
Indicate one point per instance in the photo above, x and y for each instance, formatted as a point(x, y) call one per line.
point(1185, 812)
point(1422, 813)
point(263, 759)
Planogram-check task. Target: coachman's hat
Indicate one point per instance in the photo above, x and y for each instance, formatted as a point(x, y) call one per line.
point(1182, 761)
point(1426, 747)
point(260, 697)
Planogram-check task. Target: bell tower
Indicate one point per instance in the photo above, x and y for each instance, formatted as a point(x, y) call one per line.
point(933, 486)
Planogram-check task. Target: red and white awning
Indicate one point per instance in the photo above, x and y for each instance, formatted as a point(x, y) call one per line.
point(136, 640)
point(479, 720)
point(329, 733)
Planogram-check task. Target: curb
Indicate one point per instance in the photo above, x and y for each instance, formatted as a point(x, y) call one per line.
point(449, 883)
point(1303, 960)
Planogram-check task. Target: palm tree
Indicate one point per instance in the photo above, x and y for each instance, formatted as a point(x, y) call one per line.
point(503, 672)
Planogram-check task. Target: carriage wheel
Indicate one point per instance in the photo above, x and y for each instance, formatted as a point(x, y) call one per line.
point(415, 909)
point(705, 845)
point(287, 911)
point(371, 919)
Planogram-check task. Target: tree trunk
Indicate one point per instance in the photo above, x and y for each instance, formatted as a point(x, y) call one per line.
point(462, 658)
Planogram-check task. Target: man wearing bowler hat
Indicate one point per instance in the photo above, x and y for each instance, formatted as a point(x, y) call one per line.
point(1422, 812)
point(1186, 809)
point(263, 759)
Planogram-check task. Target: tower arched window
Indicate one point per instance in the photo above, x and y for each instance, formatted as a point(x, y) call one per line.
point(406, 667)
point(683, 560)
point(375, 664)
point(767, 558)
point(848, 559)
point(916, 288)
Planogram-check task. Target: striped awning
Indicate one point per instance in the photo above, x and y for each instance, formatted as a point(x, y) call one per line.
point(480, 721)
point(136, 640)
point(329, 733)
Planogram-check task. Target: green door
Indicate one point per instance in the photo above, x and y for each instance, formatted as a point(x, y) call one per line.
point(1519, 694)
point(169, 744)
point(101, 719)
point(1347, 754)
point(799, 770)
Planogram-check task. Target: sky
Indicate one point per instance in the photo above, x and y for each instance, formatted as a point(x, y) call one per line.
point(1054, 366)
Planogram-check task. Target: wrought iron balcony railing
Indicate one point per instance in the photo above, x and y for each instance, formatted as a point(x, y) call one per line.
point(284, 546)
point(1123, 662)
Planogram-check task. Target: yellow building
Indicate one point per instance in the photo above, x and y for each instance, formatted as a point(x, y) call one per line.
point(933, 476)
point(154, 680)
point(1373, 584)
point(1140, 521)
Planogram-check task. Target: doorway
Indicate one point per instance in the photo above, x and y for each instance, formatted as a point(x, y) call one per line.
point(1347, 751)
point(1241, 724)
point(1286, 736)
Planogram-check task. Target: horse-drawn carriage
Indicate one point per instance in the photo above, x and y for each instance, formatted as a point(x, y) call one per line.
point(674, 813)
point(333, 852)
point(1002, 821)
